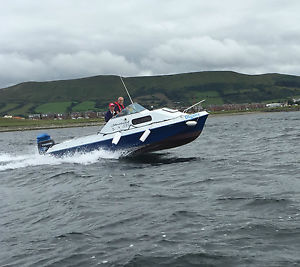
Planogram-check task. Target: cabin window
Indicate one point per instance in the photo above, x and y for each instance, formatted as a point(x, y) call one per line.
point(141, 120)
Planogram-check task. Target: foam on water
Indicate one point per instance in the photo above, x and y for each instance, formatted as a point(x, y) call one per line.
point(15, 161)
point(230, 198)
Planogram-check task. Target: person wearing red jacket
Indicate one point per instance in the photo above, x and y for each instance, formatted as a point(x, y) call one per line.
point(119, 105)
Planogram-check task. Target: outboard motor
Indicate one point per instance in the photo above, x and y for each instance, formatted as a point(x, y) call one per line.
point(44, 142)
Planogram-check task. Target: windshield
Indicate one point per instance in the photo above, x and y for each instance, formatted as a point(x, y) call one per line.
point(131, 109)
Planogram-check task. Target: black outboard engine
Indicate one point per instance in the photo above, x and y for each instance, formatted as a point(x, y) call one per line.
point(44, 142)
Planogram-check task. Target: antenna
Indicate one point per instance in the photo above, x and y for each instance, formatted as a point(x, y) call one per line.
point(126, 90)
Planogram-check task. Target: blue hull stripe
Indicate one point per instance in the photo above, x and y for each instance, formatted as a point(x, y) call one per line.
point(132, 141)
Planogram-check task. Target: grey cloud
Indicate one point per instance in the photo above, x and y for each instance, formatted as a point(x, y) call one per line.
point(55, 39)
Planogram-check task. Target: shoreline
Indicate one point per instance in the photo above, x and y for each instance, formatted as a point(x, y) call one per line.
point(263, 111)
point(16, 128)
point(236, 113)
point(4, 129)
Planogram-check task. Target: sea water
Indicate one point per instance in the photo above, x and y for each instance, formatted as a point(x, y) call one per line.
point(230, 198)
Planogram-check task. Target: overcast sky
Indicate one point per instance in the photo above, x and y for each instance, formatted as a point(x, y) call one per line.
point(63, 39)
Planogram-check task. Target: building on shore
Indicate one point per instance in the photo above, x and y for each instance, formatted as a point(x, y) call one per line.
point(274, 105)
point(237, 107)
point(34, 116)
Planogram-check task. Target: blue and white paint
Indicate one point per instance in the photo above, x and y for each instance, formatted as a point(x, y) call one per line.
point(133, 130)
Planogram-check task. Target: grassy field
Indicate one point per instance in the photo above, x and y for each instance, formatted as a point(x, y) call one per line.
point(6, 107)
point(58, 107)
point(22, 109)
point(84, 106)
point(94, 93)
point(14, 124)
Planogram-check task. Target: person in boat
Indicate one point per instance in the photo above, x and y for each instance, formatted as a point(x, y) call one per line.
point(119, 105)
point(111, 112)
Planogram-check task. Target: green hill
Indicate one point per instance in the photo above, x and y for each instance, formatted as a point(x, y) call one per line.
point(94, 93)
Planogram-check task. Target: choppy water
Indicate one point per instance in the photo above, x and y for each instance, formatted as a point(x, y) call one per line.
point(231, 198)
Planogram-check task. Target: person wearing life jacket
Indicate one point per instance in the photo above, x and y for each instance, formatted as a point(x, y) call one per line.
point(119, 105)
point(110, 113)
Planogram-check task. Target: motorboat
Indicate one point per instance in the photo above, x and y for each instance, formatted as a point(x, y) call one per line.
point(134, 130)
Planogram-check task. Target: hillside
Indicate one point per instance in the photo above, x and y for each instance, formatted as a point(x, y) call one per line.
point(94, 93)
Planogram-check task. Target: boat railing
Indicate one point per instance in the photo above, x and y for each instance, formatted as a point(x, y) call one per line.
point(194, 105)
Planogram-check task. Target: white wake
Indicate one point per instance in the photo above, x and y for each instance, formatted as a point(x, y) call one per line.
point(16, 161)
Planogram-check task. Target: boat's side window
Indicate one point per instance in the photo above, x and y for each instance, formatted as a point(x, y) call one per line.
point(141, 120)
